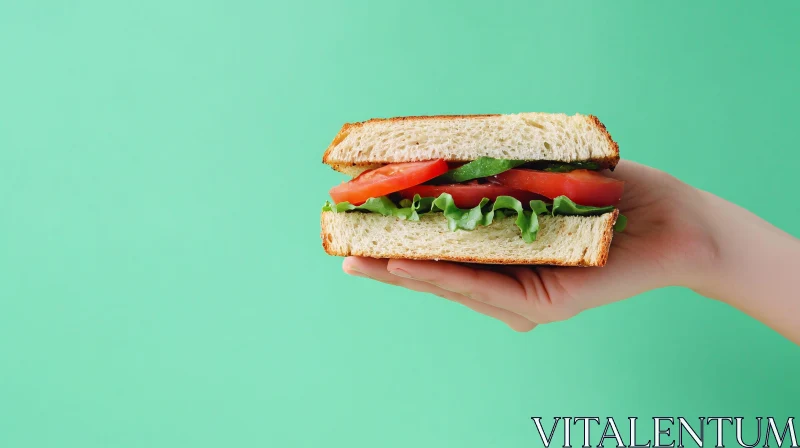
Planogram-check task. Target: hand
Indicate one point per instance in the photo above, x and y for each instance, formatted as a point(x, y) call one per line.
point(672, 239)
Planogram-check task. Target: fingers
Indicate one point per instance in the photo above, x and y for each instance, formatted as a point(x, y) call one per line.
point(377, 269)
point(630, 171)
point(489, 287)
point(543, 294)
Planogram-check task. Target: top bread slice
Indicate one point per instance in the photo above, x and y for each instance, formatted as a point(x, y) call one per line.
point(528, 136)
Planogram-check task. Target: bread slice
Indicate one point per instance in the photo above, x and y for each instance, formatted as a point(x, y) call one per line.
point(462, 138)
point(562, 240)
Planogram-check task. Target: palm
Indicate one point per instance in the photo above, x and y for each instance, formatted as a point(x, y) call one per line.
point(666, 230)
point(662, 235)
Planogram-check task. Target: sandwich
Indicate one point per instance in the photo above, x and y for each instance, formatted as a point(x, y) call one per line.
point(528, 188)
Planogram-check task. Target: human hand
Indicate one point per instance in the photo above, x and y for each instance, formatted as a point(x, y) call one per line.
point(675, 237)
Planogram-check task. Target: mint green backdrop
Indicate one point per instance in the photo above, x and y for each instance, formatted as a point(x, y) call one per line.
point(162, 281)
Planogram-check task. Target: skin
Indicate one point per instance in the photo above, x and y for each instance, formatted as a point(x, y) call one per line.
point(716, 248)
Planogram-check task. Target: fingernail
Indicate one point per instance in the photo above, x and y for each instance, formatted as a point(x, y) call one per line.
point(400, 273)
point(355, 273)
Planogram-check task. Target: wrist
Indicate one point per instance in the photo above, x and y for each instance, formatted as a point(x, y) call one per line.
point(747, 256)
point(698, 249)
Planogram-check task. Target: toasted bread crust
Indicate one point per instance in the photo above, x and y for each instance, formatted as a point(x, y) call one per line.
point(355, 167)
point(609, 162)
point(608, 235)
point(326, 235)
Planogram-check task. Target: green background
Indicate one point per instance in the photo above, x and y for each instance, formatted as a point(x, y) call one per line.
point(162, 281)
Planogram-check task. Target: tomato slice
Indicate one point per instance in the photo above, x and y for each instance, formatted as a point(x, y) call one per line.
point(387, 179)
point(468, 196)
point(584, 187)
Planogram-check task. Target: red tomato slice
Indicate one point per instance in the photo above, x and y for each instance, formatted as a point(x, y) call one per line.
point(584, 187)
point(387, 179)
point(468, 196)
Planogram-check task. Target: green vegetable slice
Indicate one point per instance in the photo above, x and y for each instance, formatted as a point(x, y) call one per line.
point(489, 166)
point(481, 167)
point(558, 167)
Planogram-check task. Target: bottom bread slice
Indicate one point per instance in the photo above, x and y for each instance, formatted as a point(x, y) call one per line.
point(562, 240)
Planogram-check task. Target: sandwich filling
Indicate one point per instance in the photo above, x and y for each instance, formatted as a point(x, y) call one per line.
point(476, 193)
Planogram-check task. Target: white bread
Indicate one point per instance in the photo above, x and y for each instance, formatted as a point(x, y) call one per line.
point(562, 240)
point(460, 138)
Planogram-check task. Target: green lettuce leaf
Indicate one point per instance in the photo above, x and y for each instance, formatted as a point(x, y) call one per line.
point(385, 207)
point(484, 214)
point(481, 167)
point(622, 222)
point(481, 215)
point(563, 205)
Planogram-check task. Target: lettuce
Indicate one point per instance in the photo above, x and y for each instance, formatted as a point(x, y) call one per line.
point(481, 215)
point(622, 222)
point(563, 205)
point(384, 206)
